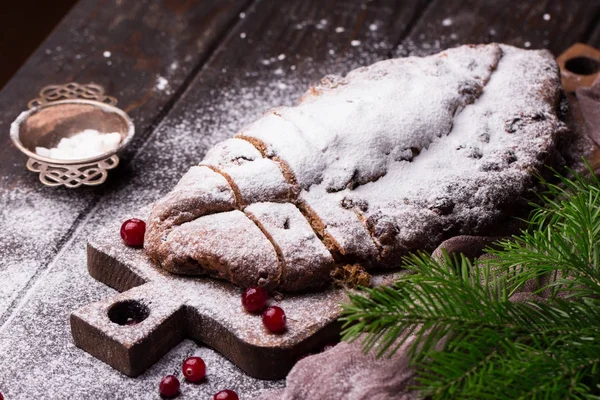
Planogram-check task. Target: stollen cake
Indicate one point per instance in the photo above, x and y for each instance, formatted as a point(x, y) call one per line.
point(392, 158)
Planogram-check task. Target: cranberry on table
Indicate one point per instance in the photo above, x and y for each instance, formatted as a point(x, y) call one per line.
point(1, 397)
point(194, 369)
point(254, 299)
point(274, 319)
point(169, 386)
point(132, 232)
point(226, 395)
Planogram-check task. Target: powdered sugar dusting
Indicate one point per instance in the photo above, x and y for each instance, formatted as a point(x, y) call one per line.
point(161, 83)
point(36, 220)
point(34, 224)
point(85, 144)
point(482, 166)
point(354, 121)
point(384, 182)
point(306, 261)
point(214, 111)
point(57, 368)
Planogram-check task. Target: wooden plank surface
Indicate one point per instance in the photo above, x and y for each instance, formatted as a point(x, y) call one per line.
point(267, 58)
point(594, 37)
point(550, 24)
point(39, 17)
point(235, 86)
point(126, 46)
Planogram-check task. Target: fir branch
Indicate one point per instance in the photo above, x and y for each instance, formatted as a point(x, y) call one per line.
point(471, 341)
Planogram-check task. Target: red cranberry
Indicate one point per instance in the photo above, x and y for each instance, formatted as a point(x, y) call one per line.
point(194, 369)
point(254, 299)
point(1, 397)
point(132, 232)
point(226, 395)
point(169, 386)
point(274, 319)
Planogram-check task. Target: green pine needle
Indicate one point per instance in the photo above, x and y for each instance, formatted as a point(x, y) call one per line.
point(471, 341)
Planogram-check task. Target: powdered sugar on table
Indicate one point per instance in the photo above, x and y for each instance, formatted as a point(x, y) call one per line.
point(39, 359)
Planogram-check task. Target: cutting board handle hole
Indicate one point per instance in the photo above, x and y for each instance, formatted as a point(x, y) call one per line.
point(128, 312)
point(582, 65)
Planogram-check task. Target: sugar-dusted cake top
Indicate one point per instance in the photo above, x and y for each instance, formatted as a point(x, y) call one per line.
point(391, 158)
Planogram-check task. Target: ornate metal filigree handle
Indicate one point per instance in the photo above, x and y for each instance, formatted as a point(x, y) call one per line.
point(74, 175)
point(72, 90)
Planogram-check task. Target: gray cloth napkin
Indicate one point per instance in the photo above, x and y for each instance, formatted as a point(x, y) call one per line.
point(345, 372)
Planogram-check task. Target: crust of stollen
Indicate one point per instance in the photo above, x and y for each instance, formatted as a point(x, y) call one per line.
point(390, 233)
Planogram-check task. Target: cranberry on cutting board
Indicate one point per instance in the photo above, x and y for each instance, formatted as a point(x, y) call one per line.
point(274, 319)
point(255, 299)
point(132, 232)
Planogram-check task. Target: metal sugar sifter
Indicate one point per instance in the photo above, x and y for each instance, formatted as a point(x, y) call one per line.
point(62, 111)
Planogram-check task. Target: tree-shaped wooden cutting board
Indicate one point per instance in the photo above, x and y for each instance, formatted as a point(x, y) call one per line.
point(156, 310)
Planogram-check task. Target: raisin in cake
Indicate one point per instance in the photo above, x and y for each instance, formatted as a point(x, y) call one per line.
point(391, 158)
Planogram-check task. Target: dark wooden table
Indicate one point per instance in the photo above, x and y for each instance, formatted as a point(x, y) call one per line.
point(190, 73)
